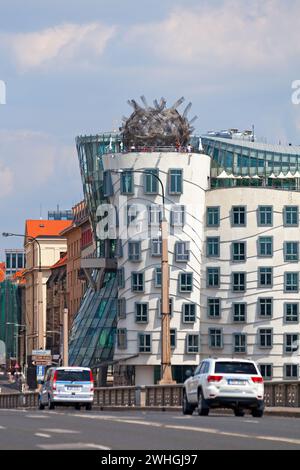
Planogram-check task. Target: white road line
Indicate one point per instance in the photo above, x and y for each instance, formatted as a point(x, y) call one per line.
point(61, 431)
point(37, 416)
point(73, 445)
point(39, 434)
point(2, 427)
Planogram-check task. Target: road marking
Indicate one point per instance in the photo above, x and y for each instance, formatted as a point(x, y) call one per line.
point(37, 416)
point(250, 421)
point(73, 445)
point(61, 431)
point(2, 427)
point(39, 434)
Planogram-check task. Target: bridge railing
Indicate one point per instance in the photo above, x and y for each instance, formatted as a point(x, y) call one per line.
point(277, 394)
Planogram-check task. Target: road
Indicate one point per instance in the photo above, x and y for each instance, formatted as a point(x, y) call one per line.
point(70, 429)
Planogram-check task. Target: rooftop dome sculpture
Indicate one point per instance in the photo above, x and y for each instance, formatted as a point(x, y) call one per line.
point(157, 125)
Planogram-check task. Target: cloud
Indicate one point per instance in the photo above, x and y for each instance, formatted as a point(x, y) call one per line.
point(62, 45)
point(256, 35)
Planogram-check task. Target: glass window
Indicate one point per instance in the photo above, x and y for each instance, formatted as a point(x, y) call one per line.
point(213, 277)
point(291, 343)
point(14, 261)
point(173, 337)
point(291, 282)
point(122, 338)
point(192, 344)
point(182, 252)
point(265, 216)
point(137, 282)
point(239, 282)
point(144, 342)
point(178, 216)
point(265, 246)
point(188, 313)
point(8, 261)
point(175, 181)
point(265, 277)
point(127, 182)
point(214, 308)
point(185, 282)
point(108, 189)
point(291, 313)
point(141, 312)
point(265, 338)
point(151, 181)
point(121, 278)
point(215, 338)
point(213, 247)
point(20, 260)
point(157, 274)
point(291, 371)
point(154, 214)
point(156, 247)
point(239, 216)
point(121, 308)
point(265, 307)
point(239, 343)
point(239, 251)
point(224, 367)
point(291, 216)
point(266, 371)
point(213, 216)
point(239, 312)
point(134, 251)
point(291, 251)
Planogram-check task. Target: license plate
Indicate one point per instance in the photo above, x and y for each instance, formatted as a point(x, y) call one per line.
point(73, 389)
point(236, 382)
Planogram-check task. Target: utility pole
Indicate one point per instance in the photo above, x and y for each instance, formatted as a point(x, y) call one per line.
point(65, 338)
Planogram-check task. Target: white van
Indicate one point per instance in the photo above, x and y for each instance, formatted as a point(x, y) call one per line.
point(67, 386)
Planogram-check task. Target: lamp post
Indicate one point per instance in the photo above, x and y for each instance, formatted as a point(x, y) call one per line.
point(40, 288)
point(166, 369)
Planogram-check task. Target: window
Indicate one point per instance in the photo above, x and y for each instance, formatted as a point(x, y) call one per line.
point(121, 278)
point(291, 216)
point(291, 313)
point(239, 216)
point(239, 343)
point(265, 307)
point(238, 251)
point(157, 276)
point(213, 247)
point(151, 181)
point(213, 216)
point(192, 344)
point(265, 216)
point(266, 371)
point(291, 282)
point(170, 307)
point(156, 247)
point(121, 306)
point(154, 214)
point(238, 282)
point(107, 184)
point(182, 252)
point(265, 338)
point(214, 308)
point(189, 313)
point(127, 182)
point(141, 312)
point(265, 247)
point(291, 371)
point(173, 337)
point(132, 214)
point(291, 343)
point(213, 277)
point(122, 338)
point(175, 181)
point(137, 282)
point(215, 338)
point(265, 277)
point(178, 216)
point(144, 343)
point(291, 251)
point(185, 282)
point(239, 312)
point(134, 251)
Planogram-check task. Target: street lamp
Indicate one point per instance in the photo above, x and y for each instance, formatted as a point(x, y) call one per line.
point(166, 369)
point(40, 286)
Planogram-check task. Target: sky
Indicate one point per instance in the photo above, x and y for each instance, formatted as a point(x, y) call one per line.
point(69, 67)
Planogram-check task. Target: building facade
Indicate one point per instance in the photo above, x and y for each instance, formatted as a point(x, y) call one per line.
point(15, 261)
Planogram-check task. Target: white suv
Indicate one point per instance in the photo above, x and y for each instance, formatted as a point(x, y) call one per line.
point(224, 383)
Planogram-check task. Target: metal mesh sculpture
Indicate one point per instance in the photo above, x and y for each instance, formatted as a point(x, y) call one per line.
point(158, 125)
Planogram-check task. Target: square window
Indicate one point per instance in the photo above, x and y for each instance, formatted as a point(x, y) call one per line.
point(182, 252)
point(185, 282)
point(291, 313)
point(265, 247)
point(265, 338)
point(291, 216)
point(213, 216)
point(266, 371)
point(215, 338)
point(291, 282)
point(141, 312)
point(265, 277)
point(189, 313)
point(291, 371)
point(238, 251)
point(137, 282)
point(291, 343)
point(192, 344)
point(265, 307)
point(239, 343)
point(238, 216)
point(265, 216)
point(291, 251)
point(239, 282)
point(239, 312)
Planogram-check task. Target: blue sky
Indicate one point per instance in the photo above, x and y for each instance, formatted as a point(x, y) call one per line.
point(70, 66)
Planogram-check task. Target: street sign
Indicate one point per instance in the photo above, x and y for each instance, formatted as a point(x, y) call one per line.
point(42, 357)
point(41, 352)
point(40, 372)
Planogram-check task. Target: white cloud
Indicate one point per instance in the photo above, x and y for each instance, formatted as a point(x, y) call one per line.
point(65, 44)
point(236, 33)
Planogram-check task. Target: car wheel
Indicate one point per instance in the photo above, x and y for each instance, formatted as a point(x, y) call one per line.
point(203, 408)
point(239, 413)
point(88, 407)
point(51, 405)
point(187, 408)
point(257, 413)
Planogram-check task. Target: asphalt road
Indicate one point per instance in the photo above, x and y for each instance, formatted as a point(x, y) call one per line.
point(124, 430)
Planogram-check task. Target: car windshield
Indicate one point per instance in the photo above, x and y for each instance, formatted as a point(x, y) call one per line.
point(235, 368)
point(73, 375)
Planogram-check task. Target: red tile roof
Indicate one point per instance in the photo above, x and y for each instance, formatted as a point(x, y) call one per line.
point(19, 277)
point(61, 262)
point(45, 228)
point(2, 272)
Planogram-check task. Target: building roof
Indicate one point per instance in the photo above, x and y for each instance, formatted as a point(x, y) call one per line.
point(61, 262)
point(2, 272)
point(18, 277)
point(45, 228)
point(272, 148)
